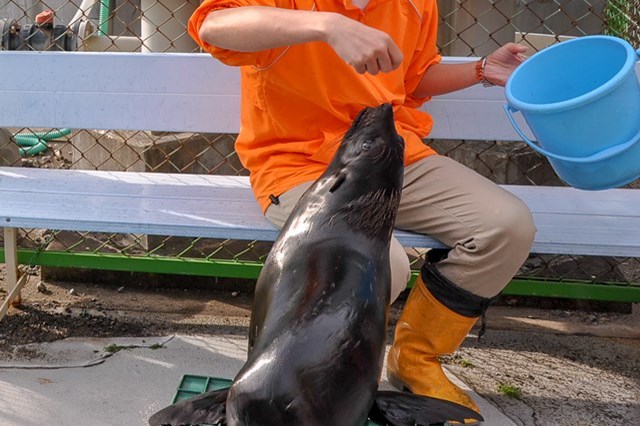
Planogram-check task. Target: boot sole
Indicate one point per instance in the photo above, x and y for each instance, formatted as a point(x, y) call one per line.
point(397, 383)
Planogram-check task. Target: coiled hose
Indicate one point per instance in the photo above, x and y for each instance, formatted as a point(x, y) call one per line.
point(34, 143)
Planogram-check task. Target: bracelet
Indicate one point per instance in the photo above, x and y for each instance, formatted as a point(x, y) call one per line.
point(480, 75)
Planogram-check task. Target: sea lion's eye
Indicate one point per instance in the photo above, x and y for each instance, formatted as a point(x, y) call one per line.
point(367, 145)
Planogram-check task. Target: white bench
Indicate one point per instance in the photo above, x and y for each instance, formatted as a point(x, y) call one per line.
point(193, 93)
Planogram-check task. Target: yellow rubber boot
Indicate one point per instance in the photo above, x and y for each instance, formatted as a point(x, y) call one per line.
point(425, 330)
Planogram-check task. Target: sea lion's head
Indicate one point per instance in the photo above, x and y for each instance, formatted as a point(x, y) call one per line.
point(367, 170)
point(371, 149)
point(372, 139)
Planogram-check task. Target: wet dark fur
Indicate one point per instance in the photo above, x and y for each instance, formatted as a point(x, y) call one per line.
point(318, 326)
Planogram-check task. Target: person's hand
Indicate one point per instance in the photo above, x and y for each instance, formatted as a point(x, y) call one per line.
point(366, 49)
point(501, 63)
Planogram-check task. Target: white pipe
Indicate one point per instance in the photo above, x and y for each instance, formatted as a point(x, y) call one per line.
point(96, 43)
point(83, 10)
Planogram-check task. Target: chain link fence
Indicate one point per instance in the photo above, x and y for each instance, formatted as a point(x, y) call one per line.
point(467, 28)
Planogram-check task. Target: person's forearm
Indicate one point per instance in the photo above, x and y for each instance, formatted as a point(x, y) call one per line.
point(256, 28)
point(446, 78)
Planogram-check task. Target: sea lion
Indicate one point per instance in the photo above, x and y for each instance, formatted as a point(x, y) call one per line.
point(318, 325)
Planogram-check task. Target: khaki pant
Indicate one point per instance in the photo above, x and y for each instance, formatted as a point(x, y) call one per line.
point(490, 231)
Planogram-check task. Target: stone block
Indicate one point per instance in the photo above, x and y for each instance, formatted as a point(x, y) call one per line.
point(110, 150)
point(9, 154)
point(512, 163)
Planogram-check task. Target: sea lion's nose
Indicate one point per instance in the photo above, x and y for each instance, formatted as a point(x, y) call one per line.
point(386, 109)
point(385, 112)
point(384, 117)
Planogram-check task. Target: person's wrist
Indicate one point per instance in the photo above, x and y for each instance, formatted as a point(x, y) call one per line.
point(481, 74)
point(326, 24)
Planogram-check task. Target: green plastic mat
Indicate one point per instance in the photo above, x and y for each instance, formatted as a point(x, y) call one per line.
point(191, 386)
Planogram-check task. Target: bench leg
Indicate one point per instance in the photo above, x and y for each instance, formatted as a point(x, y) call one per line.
point(11, 262)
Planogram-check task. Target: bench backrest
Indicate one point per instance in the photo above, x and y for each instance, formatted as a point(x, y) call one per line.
point(181, 92)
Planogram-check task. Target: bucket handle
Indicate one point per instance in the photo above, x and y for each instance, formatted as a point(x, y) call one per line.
point(598, 156)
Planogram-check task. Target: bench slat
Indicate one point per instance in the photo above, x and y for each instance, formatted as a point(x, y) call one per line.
point(185, 92)
point(182, 93)
point(569, 221)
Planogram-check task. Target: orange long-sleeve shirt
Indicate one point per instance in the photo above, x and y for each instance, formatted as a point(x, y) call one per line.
point(298, 101)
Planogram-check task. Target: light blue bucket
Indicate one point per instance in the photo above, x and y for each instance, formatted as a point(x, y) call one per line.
point(581, 100)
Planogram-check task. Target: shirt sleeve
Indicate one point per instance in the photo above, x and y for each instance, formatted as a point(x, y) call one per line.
point(425, 55)
point(226, 56)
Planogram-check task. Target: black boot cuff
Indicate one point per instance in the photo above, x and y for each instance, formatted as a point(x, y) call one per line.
point(450, 295)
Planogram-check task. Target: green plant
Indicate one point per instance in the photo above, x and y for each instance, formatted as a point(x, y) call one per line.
point(616, 18)
point(113, 348)
point(510, 391)
point(466, 363)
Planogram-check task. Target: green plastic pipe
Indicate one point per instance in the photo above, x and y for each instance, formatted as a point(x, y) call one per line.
point(104, 17)
point(34, 143)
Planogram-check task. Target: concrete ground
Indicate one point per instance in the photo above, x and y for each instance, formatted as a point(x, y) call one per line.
point(77, 382)
point(556, 366)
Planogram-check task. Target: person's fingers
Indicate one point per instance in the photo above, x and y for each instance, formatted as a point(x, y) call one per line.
point(515, 48)
point(366, 49)
point(516, 51)
point(372, 66)
point(360, 68)
point(395, 55)
point(384, 63)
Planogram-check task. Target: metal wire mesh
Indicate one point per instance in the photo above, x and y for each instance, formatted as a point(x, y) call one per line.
point(621, 20)
point(466, 28)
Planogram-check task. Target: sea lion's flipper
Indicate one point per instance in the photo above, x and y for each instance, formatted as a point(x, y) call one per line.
point(403, 409)
point(208, 408)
